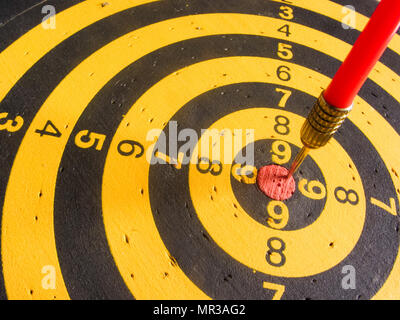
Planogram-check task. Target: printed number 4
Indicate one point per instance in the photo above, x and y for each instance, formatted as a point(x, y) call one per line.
point(49, 130)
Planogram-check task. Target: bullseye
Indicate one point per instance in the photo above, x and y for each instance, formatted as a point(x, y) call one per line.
point(274, 182)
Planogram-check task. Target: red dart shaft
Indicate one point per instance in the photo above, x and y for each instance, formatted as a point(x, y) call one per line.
point(335, 103)
point(367, 50)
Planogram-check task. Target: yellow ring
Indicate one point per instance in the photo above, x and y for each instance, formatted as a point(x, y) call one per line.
point(119, 173)
point(18, 273)
point(308, 250)
point(69, 22)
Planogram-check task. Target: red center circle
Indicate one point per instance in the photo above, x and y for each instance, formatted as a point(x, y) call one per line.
point(274, 183)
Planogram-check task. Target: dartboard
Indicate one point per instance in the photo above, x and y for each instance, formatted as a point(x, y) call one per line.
point(104, 193)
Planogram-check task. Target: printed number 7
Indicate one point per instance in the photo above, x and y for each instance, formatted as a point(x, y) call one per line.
point(278, 288)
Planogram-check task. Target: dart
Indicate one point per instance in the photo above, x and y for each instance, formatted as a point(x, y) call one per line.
point(336, 102)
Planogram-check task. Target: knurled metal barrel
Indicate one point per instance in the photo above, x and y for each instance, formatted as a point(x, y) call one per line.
point(322, 123)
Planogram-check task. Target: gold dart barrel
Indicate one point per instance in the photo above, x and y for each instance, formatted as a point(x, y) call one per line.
point(321, 124)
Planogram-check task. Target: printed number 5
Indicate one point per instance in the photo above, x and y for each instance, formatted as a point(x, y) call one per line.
point(86, 140)
point(11, 125)
point(285, 51)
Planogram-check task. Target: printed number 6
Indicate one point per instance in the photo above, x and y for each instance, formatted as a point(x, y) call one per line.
point(308, 189)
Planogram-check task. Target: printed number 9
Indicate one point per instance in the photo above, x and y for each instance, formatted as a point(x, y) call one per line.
point(283, 216)
point(282, 152)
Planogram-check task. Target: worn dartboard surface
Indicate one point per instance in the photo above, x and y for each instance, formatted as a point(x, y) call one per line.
point(84, 213)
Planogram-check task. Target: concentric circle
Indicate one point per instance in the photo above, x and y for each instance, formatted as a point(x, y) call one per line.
point(103, 185)
point(261, 208)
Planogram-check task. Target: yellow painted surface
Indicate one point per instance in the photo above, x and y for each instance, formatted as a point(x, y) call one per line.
point(307, 250)
point(121, 171)
point(20, 56)
point(28, 240)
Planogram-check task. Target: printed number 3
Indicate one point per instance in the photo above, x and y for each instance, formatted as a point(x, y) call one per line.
point(11, 125)
point(286, 13)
